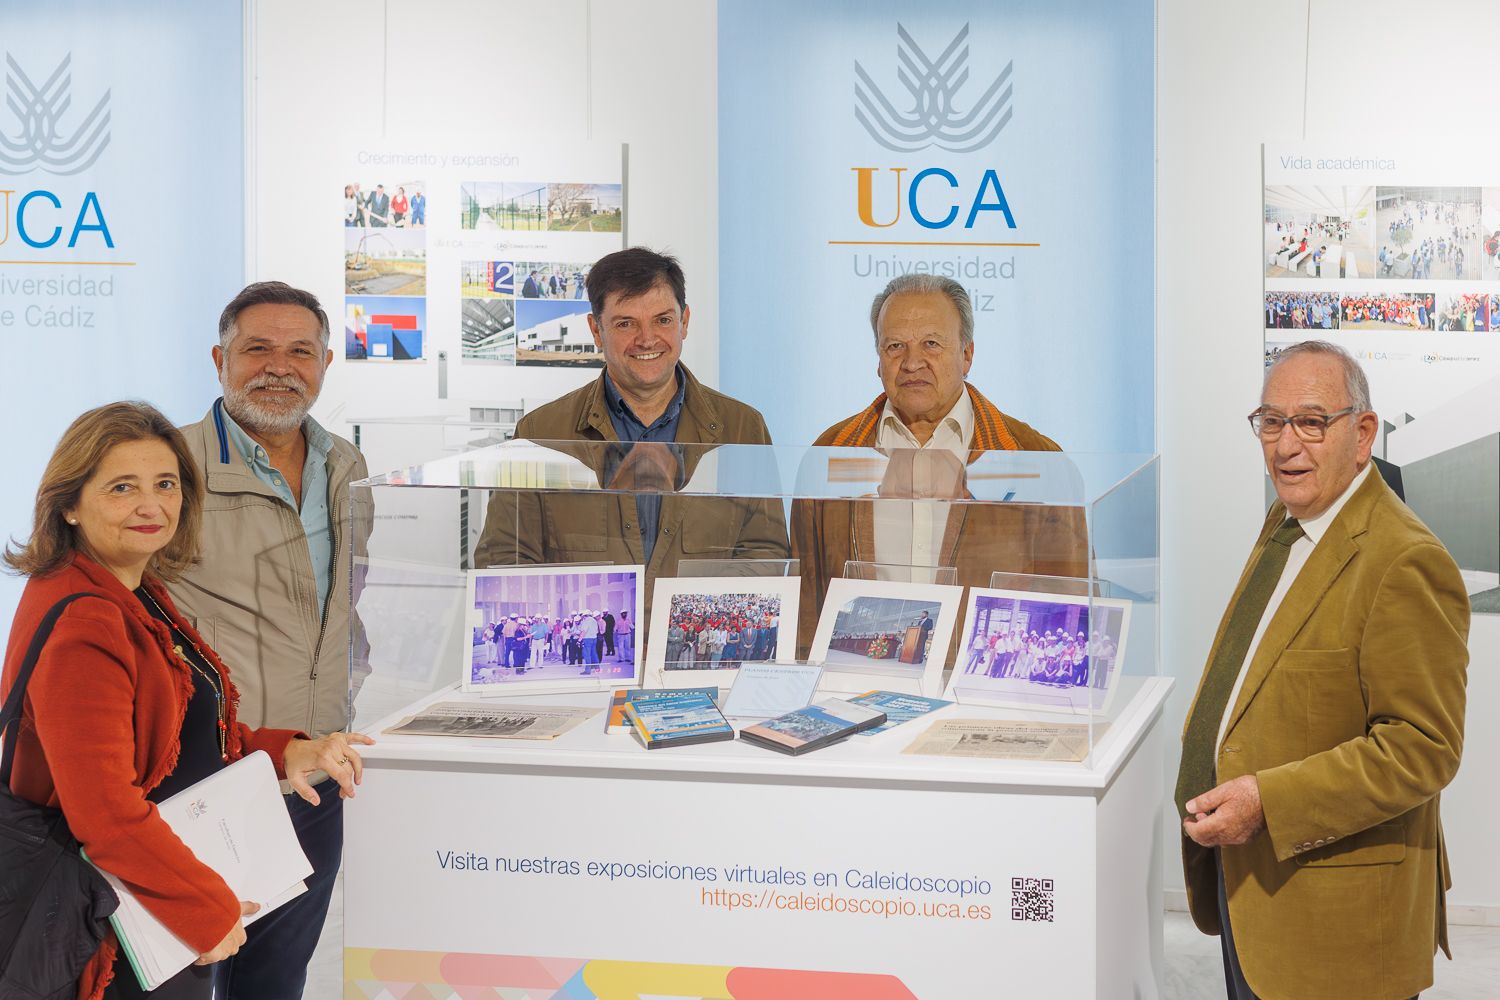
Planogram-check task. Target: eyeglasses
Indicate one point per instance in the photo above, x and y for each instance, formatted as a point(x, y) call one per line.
point(1268, 424)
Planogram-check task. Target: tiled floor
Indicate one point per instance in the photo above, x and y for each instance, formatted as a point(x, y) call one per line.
point(1196, 972)
point(1193, 969)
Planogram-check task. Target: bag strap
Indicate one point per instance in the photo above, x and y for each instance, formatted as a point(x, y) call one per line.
point(10, 715)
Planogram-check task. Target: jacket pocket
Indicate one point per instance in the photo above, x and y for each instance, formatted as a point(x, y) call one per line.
point(1324, 684)
point(579, 522)
point(1379, 845)
point(710, 526)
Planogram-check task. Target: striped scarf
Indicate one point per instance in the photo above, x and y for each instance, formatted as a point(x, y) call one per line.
point(990, 432)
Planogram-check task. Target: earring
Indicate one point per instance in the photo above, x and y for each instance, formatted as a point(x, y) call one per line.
point(73, 520)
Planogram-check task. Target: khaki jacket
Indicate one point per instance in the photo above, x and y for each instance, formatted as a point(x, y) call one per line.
point(1352, 718)
point(535, 527)
point(980, 539)
point(254, 595)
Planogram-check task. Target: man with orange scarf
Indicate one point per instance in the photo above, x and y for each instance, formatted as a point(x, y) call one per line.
point(932, 424)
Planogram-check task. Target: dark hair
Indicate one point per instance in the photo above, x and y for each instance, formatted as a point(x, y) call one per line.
point(273, 293)
point(75, 461)
point(633, 272)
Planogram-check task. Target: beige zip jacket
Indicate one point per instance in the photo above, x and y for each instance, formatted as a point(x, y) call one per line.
point(254, 595)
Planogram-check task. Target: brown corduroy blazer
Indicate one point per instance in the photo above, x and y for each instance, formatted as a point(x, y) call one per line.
point(1351, 717)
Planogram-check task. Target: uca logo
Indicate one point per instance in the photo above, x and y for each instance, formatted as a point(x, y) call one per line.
point(198, 809)
point(934, 117)
point(40, 138)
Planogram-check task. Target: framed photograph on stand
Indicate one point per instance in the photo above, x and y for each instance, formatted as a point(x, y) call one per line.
point(885, 634)
point(1040, 652)
point(541, 629)
point(702, 626)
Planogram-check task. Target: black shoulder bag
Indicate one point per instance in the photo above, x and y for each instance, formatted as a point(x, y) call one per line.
point(54, 906)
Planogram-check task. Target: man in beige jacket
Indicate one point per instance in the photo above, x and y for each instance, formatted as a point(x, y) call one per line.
point(1329, 717)
point(272, 592)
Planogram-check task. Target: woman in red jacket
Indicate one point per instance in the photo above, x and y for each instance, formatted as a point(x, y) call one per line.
point(128, 705)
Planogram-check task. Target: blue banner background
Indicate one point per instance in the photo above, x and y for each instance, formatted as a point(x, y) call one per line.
point(170, 187)
point(1068, 343)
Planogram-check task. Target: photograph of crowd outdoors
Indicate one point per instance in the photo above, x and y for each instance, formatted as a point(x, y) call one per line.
point(1320, 232)
point(721, 631)
point(1489, 229)
point(402, 205)
point(1040, 650)
point(384, 327)
point(385, 262)
point(1428, 232)
point(1404, 311)
point(489, 330)
point(1474, 312)
point(552, 280)
point(1302, 311)
point(555, 333)
point(537, 206)
point(552, 624)
point(487, 279)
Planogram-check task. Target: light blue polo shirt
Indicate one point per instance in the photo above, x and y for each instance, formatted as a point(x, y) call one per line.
point(316, 524)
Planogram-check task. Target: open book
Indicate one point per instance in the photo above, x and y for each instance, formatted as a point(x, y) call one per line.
point(236, 823)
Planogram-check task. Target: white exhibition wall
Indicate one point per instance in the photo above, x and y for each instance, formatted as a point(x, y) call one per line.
point(336, 78)
point(1230, 77)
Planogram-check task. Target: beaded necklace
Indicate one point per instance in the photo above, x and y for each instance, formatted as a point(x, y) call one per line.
point(213, 685)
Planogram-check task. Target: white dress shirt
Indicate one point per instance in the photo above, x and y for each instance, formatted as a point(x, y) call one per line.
point(1313, 530)
point(910, 532)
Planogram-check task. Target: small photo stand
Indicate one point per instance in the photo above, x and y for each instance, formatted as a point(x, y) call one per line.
point(1041, 650)
point(550, 629)
point(887, 634)
point(703, 626)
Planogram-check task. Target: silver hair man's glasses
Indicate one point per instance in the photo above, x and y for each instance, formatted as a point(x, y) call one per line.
point(1268, 424)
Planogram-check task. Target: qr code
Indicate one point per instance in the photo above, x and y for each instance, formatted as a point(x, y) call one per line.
point(1031, 899)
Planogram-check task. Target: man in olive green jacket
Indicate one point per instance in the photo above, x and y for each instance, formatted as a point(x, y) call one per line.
point(1329, 718)
point(645, 398)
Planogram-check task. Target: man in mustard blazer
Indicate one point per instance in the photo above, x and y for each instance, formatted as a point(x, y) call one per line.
point(1329, 717)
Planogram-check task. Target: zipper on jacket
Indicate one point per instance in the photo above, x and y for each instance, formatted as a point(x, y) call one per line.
point(333, 565)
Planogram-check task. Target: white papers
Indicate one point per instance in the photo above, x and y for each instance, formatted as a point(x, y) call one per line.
point(766, 690)
point(495, 721)
point(236, 823)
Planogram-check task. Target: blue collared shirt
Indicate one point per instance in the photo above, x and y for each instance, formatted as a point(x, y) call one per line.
point(628, 427)
point(316, 524)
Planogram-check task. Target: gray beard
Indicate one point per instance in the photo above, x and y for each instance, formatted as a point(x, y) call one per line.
point(265, 419)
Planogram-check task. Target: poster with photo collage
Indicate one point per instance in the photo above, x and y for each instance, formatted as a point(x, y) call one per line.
point(477, 258)
point(1395, 256)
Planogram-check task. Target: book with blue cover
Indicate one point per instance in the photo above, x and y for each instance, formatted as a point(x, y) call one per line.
point(669, 720)
point(813, 727)
point(898, 708)
point(614, 719)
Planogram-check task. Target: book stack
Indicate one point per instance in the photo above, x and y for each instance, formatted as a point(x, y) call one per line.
point(671, 719)
point(814, 727)
point(615, 720)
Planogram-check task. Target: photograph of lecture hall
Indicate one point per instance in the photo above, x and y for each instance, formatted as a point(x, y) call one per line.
point(1148, 485)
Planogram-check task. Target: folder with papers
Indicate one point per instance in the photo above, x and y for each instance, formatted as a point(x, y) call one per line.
point(236, 823)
